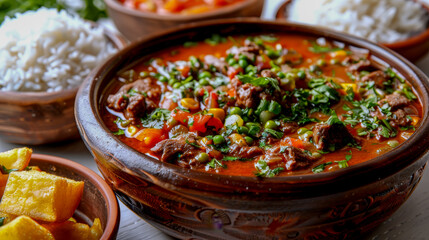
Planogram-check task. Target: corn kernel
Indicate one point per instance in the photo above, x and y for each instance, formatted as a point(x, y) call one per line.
point(339, 53)
point(132, 130)
point(189, 103)
point(237, 139)
point(349, 85)
point(414, 120)
point(218, 112)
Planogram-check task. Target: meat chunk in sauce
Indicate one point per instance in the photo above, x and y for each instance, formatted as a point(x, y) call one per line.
point(400, 119)
point(378, 77)
point(248, 95)
point(328, 137)
point(395, 101)
point(134, 99)
point(292, 157)
point(245, 151)
point(183, 145)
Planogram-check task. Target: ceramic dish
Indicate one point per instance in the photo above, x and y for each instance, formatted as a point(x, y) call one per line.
point(185, 203)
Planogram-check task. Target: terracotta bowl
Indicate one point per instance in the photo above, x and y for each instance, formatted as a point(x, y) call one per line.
point(98, 200)
point(34, 118)
point(188, 204)
point(134, 24)
point(412, 48)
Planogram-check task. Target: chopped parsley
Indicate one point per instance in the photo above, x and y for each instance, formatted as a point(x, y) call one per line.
point(263, 170)
point(321, 167)
point(260, 81)
point(156, 118)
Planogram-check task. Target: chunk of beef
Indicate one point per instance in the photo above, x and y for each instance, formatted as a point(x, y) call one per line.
point(296, 158)
point(245, 151)
point(330, 137)
point(171, 148)
point(250, 50)
point(269, 73)
point(248, 95)
point(219, 64)
point(136, 107)
point(378, 77)
point(292, 157)
point(399, 119)
point(135, 103)
point(288, 127)
point(395, 101)
point(359, 65)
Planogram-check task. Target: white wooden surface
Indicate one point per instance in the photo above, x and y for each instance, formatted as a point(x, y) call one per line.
point(411, 221)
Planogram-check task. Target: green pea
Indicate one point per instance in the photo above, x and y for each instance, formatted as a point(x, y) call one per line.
point(177, 85)
point(321, 63)
point(251, 68)
point(393, 143)
point(205, 74)
point(254, 129)
point(302, 130)
point(316, 155)
point(204, 82)
point(271, 124)
point(163, 79)
point(242, 57)
point(307, 135)
point(203, 157)
point(314, 68)
point(235, 110)
point(144, 74)
point(218, 139)
point(232, 61)
point(281, 74)
point(334, 61)
point(301, 74)
point(243, 63)
point(265, 116)
point(249, 140)
point(243, 130)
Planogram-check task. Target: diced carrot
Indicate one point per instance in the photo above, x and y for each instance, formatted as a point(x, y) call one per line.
point(231, 92)
point(150, 136)
point(414, 120)
point(180, 116)
point(298, 143)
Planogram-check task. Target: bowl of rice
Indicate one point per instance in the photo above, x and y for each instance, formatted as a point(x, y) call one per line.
point(401, 25)
point(44, 57)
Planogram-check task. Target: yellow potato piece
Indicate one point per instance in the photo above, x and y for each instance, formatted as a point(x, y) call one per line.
point(17, 158)
point(24, 228)
point(96, 230)
point(41, 195)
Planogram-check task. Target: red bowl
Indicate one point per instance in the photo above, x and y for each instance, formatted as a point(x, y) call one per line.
point(185, 203)
point(98, 200)
point(412, 48)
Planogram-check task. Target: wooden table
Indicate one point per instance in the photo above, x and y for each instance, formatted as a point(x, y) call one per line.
point(411, 221)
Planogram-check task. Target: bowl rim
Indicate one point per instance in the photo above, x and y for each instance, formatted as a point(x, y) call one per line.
point(112, 206)
point(419, 79)
point(114, 4)
point(417, 39)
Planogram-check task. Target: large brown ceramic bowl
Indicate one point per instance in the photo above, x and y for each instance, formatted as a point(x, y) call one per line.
point(412, 48)
point(98, 200)
point(134, 24)
point(34, 118)
point(189, 204)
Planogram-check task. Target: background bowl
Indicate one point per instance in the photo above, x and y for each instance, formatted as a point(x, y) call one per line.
point(134, 24)
point(98, 200)
point(412, 48)
point(184, 203)
point(34, 118)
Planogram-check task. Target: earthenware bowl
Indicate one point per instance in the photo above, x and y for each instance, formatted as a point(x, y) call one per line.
point(98, 200)
point(34, 118)
point(412, 48)
point(134, 24)
point(188, 204)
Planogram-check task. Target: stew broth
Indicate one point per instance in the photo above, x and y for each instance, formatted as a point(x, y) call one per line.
point(266, 105)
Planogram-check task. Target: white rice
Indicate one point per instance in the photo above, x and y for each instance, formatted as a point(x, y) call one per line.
point(382, 21)
point(46, 50)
